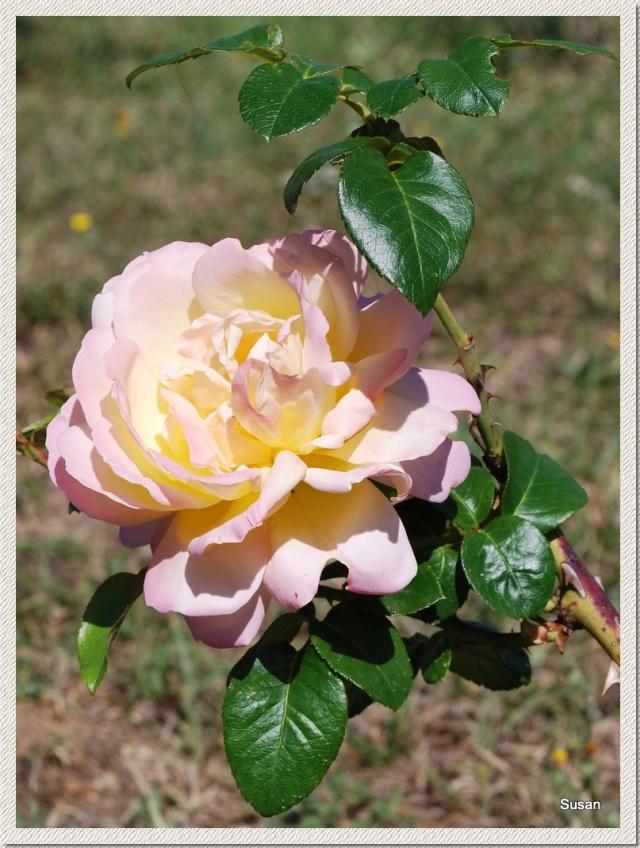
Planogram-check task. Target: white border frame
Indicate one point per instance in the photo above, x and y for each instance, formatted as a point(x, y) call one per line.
point(626, 834)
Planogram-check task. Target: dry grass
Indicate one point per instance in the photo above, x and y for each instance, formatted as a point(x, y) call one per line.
point(538, 288)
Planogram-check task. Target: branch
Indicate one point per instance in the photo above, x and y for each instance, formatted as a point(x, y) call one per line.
point(461, 633)
point(582, 601)
point(490, 438)
point(363, 111)
point(30, 449)
point(581, 596)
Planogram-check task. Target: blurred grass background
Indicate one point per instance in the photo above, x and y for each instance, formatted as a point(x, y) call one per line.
point(103, 174)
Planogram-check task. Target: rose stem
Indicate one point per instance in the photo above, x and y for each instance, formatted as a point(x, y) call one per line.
point(580, 593)
point(491, 438)
point(585, 599)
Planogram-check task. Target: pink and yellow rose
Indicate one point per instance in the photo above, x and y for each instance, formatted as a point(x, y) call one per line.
point(232, 409)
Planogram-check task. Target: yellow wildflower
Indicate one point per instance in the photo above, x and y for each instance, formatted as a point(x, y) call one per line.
point(80, 222)
point(560, 757)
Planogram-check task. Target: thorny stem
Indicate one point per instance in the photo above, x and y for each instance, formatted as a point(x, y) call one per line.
point(461, 633)
point(486, 432)
point(30, 449)
point(582, 597)
point(579, 603)
point(581, 600)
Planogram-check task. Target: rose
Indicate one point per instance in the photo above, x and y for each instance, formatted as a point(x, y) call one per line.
point(232, 408)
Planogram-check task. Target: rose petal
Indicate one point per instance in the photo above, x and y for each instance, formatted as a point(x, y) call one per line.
point(390, 322)
point(133, 380)
point(132, 447)
point(219, 582)
point(435, 475)
point(356, 408)
point(124, 455)
point(360, 528)
point(404, 428)
point(102, 307)
point(341, 478)
point(334, 279)
point(111, 429)
point(90, 379)
point(374, 373)
point(142, 534)
point(229, 277)
point(231, 631)
point(256, 410)
point(285, 474)
point(76, 467)
point(349, 416)
point(160, 277)
point(354, 263)
point(442, 388)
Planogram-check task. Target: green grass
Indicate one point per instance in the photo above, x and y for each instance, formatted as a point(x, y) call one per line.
point(538, 288)
point(365, 808)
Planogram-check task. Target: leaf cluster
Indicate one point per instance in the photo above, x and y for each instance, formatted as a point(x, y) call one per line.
point(286, 708)
point(416, 190)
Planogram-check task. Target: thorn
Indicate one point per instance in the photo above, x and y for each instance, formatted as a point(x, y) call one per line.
point(573, 579)
point(479, 382)
point(474, 430)
point(613, 677)
point(457, 362)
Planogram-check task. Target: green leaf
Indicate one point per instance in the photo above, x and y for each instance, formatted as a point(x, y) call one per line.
point(425, 143)
point(357, 699)
point(415, 646)
point(538, 489)
point(284, 717)
point(367, 650)
point(355, 80)
point(505, 41)
point(436, 658)
point(425, 524)
point(308, 68)
point(276, 100)
point(473, 499)
point(313, 163)
point(412, 224)
point(446, 565)
point(496, 669)
point(334, 569)
point(37, 430)
point(283, 628)
point(394, 96)
point(510, 565)
point(466, 82)
point(259, 42)
point(59, 396)
point(423, 591)
point(100, 623)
